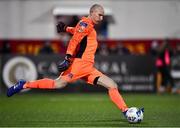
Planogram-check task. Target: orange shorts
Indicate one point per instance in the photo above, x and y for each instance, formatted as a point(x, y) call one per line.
point(81, 69)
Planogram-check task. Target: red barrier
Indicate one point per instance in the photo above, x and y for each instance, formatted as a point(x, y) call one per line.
point(137, 46)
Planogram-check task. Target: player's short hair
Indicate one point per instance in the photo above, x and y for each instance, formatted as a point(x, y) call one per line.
point(95, 6)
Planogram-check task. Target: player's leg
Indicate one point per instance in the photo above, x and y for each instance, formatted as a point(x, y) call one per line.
point(71, 74)
point(97, 78)
point(42, 84)
point(113, 92)
point(46, 83)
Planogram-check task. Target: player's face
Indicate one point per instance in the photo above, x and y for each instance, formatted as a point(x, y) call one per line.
point(97, 15)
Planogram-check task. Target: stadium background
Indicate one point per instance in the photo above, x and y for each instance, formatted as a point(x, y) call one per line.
point(27, 25)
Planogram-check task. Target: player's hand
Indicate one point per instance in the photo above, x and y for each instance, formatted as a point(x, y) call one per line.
point(61, 27)
point(65, 64)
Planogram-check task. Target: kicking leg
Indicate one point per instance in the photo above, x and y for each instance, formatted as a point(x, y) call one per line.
point(46, 83)
point(42, 84)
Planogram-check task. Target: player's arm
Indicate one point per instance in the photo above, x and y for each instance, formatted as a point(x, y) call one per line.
point(70, 29)
point(80, 31)
point(62, 27)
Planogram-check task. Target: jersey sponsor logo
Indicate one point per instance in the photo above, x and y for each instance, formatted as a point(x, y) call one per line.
point(82, 26)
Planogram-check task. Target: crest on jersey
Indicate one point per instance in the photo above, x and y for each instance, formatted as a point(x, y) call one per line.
point(82, 26)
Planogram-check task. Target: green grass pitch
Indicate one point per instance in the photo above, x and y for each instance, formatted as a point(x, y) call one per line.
point(86, 110)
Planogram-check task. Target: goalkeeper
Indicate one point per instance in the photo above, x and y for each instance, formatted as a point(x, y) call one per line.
point(79, 60)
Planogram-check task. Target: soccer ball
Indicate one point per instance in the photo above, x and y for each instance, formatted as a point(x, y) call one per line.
point(134, 115)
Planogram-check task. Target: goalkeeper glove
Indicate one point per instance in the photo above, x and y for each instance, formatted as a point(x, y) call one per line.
point(61, 27)
point(65, 64)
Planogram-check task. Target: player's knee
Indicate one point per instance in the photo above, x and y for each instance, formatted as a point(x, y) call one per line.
point(113, 86)
point(107, 82)
point(59, 83)
point(58, 86)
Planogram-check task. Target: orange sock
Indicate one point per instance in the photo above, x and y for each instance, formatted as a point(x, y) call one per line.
point(117, 99)
point(42, 83)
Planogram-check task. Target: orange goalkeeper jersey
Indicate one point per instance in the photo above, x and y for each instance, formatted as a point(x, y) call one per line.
point(83, 43)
